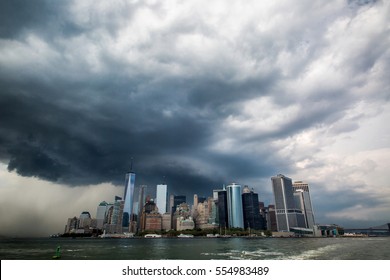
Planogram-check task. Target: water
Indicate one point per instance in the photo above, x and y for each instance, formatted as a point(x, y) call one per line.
point(371, 248)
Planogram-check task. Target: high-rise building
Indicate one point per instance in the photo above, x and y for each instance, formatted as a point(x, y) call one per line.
point(215, 206)
point(161, 198)
point(251, 210)
point(85, 219)
point(222, 209)
point(141, 204)
point(171, 201)
point(287, 215)
point(195, 201)
point(177, 200)
point(234, 206)
point(128, 198)
point(271, 218)
point(101, 214)
point(303, 202)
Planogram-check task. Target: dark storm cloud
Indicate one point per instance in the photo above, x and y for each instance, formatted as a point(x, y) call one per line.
point(94, 142)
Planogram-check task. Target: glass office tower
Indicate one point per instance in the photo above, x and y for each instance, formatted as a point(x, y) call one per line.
point(222, 209)
point(251, 210)
point(234, 206)
point(128, 197)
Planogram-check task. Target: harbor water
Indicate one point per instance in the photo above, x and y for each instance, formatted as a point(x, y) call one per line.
point(367, 248)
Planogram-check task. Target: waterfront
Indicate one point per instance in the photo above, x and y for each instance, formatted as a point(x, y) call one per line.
point(368, 248)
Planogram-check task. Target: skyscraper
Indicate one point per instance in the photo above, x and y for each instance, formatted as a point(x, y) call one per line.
point(251, 210)
point(128, 197)
point(161, 198)
point(287, 215)
point(141, 204)
point(178, 199)
point(303, 202)
point(234, 206)
point(101, 214)
point(222, 209)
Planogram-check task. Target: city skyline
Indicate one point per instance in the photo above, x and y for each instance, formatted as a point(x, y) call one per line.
point(200, 95)
point(233, 207)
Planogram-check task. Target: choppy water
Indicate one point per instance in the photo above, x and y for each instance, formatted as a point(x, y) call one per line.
point(374, 248)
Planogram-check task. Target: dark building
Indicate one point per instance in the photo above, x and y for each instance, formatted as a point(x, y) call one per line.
point(222, 209)
point(271, 218)
point(177, 200)
point(251, 210)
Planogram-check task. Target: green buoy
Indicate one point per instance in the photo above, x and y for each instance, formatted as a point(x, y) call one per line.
point(58, 253)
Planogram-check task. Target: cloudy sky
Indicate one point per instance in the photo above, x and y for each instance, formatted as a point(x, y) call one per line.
point(201, 93)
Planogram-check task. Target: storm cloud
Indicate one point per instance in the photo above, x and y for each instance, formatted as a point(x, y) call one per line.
point(198, 93)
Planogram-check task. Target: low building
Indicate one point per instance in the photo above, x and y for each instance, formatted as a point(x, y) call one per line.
point(153, 222)
point(184, 224)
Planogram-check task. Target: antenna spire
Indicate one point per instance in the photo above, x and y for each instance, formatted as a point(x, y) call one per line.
point(131, 164)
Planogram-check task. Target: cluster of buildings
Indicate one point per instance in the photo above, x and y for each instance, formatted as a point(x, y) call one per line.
point(233, 206)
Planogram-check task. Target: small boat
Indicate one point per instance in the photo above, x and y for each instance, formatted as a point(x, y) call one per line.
point(185, 235)
point(151, 235)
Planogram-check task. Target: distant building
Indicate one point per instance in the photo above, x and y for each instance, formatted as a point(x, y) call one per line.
point(153, 222)
point(184, 223)
point(114, 217)
point(101, 214)
point(72, 225)
point(215, 210)
point(149, 208)
point(202, 214)
point(271, 218)
point(303, 202)
point(251, 210)
point(171, 202)
point(141, 204)
point(128, 198)
point(166, 222)
point(287, 215)
point(222, 209)
point(85, 220)
point(161, 198)
point(234, 206)
point(195, 206)
point(182, 212)
point(177, 200)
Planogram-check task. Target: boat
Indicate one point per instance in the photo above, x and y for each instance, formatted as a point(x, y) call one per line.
point(185, 235)
point(117, 235)
point(152, 235)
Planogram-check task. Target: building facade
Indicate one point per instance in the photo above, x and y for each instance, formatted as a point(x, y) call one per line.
point(234, 206)
point(287, 215)
point(128, 199)
point(251, 210)
point(162, 198)
point(303, 202)
point(222, 209)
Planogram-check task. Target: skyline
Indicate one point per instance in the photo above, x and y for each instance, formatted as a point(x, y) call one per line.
point(199, 94)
